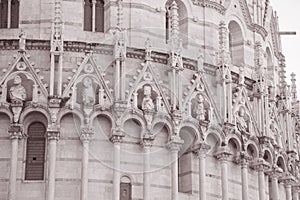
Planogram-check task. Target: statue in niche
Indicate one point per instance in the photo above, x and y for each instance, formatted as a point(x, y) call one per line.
point(17, 92)
point(22, 41)
point(241, 121)
point(199, 108)
point(88, 95)
point(147, 103)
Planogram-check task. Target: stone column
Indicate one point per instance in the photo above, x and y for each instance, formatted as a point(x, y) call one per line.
point(53, 136)
point(93, 15)
point(274, 185)
point(8, 13)
point(117, 139)
point(295, 190)
point(288, 181)
point(201, 150)
point(243, 161)
point(86, 134)
point(261, 166)
point(222, 154)
point(15, 133)
point(146, 143)
point(174, 146)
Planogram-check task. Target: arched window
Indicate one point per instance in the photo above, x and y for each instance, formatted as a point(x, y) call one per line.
point(35, 152)
point(125, 188)
point(88, 7)
point(270, 65)
point(14, 14)
point(94, 21)
point(12, 20)
point(99, 16)
point(3, 13)
point(236, 43)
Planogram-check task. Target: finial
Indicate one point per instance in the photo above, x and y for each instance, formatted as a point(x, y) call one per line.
point(294, 87)
point(241, 74)
point(120, 15)
point(22, 41)
point(148, 49)
point(200, 61)
point(174, 20)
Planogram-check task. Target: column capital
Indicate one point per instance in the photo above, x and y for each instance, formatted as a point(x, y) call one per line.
point(243, 159)
point(15, 131)
point(147, 141)
point(274, 172)
point(87, 133)
point(53, 132)
point(116, 139)
point(223, 153)
point(288, 180)
point(201, 149)
point(175, 144)
point(260, 165)
point(296, 187)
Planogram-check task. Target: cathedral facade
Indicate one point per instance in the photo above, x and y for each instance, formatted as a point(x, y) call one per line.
point(138, 99)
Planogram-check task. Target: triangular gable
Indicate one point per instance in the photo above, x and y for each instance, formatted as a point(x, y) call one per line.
point(24, 68)
point(88, 68)
point(199, 85)
point(147, 76)
point(241, 99)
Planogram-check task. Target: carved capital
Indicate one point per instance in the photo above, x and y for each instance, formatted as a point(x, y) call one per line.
point(15, 131)
point(223, 153)
point(116, 139)
point(243, 159)
point(147, 142)
point(87, 133)
point(288, 180)
point(54, 102)
point(260, 165)
point(175, 144)
point(53, 133)
point(201, 149)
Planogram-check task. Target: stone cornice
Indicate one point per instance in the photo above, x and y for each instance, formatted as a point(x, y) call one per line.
point(210, 4)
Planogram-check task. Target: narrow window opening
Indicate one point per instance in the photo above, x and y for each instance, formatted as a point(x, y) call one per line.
point(88, 15)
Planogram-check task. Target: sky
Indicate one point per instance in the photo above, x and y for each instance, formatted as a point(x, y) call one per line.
point(288, 12)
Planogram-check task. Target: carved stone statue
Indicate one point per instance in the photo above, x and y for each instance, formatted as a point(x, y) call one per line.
point(241, 122)
point(147, 103)
point(199, 108)
point(22, 41)
point(17, 93)
point(88, 94)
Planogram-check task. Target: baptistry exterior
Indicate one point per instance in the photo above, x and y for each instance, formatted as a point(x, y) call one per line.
point(140, 99)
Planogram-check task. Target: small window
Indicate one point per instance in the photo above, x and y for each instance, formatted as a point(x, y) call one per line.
point(3, 13)
point(35, 152)
point(125, 188)
point(94, 21)
point(88, 7)
point(14, 16)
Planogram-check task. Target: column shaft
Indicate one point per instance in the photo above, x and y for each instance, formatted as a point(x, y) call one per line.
point(93, 15)
point(202, 175)
point(8, 13)
point(60, 67)
point(175, 175)
point(224, 179)
point(274, 182)
point(117, 163)
point(13, 169)
point(85, 168)
point(146, 177)
point(51, 169)
point(52, 73)
point(295, 195)
point(261, 184)
point(245, 190)
point(288, 190)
